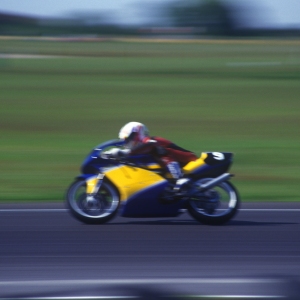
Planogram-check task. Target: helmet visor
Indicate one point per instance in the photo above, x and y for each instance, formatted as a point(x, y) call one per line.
point(131, 140)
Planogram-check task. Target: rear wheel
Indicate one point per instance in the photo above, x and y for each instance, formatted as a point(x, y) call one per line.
point(214, 206)
point(102, 209)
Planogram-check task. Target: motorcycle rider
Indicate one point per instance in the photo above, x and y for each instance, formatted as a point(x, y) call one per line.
point(170, 156)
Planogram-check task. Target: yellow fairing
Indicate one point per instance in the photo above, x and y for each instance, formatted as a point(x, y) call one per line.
point(193, 165)
point(130, 180)
point(91, 183)
point(153, 166)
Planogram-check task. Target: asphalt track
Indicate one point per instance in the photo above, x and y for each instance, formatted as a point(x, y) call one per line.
point(47, 254)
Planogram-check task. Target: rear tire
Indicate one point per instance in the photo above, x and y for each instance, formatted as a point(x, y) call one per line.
point(102, 211)
point(217, 205)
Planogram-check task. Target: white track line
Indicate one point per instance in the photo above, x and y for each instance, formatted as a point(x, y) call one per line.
point(73, 298)
point(33, 210)
point(65, 210)
point(137, 297)
point(157, 281)
point(271, 209)
point(135, 282)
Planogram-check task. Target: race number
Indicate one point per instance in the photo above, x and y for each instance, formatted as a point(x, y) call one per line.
point(218, 155)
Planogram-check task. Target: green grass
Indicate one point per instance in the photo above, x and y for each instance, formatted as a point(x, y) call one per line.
point(238, 96)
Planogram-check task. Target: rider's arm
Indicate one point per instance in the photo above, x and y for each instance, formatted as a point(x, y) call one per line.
point(115, 153)
point(144, 147)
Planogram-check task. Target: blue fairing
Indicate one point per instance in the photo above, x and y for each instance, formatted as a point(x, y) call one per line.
point(93, 162)
point(210, 171)
point(146, 204)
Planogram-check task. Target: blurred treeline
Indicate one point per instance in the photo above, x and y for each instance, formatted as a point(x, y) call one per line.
point(184, 18)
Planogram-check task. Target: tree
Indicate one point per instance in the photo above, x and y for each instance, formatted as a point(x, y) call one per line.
point(213, 16)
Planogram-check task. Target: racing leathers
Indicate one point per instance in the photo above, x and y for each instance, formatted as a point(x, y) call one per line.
point(167, 154)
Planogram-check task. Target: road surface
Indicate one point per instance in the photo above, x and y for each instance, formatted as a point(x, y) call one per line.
point(45, 253)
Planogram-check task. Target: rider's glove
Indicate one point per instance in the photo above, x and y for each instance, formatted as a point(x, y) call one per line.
point(124, 152)
point(115, 153)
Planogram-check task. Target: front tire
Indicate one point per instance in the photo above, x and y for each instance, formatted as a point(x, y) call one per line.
point(104, 208)
point(215, 206)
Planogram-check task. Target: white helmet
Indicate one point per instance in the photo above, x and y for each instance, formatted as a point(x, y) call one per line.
point(133, 133)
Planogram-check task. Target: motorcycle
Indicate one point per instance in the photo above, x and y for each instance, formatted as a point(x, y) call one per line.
point(138, 187)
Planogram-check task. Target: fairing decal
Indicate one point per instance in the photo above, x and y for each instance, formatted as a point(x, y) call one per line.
point(131, 180)
point(146, 203)
point(90, 184)
point(209, 163)
point(194, 166)
point(153, 166)
point(158, 186)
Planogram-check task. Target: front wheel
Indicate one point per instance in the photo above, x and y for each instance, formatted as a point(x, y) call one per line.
point(215, 206)
point(103, 209)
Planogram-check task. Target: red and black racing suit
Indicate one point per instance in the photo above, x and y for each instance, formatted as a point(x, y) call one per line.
point(164, 151)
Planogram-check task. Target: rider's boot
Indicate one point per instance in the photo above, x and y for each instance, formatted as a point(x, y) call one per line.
point(175, 171)
point(180, 185)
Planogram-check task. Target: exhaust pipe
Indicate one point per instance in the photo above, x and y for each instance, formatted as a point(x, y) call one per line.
point(215, 181)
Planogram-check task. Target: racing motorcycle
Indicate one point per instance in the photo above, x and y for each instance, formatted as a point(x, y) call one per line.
point(138, 187)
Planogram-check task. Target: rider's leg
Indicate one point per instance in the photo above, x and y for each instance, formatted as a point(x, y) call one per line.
point(175, 170)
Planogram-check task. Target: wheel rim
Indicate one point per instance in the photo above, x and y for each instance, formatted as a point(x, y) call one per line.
point(106, 201)
point(216, 202)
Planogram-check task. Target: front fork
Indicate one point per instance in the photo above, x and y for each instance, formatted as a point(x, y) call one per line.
point(92, 187)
